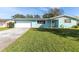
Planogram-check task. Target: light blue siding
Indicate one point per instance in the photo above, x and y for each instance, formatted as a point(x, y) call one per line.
point(66, 25)
point(47, 24)
point(36, 25)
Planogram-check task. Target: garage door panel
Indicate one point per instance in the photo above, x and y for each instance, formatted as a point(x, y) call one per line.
point(27, 25)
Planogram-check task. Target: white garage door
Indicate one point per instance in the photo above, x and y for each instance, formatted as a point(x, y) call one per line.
point(23, 25)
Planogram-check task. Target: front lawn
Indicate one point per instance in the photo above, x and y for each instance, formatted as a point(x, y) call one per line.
point(3, 28)
point(46, 40)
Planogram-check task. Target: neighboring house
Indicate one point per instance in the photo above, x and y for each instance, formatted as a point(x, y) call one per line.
point(3, 22)
point(62, 21)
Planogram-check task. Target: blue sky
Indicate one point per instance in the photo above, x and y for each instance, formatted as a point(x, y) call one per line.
point(73, 11)
point(7, 12)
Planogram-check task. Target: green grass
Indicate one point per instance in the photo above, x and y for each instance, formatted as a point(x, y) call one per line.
point(46, 40)
point(3, 28)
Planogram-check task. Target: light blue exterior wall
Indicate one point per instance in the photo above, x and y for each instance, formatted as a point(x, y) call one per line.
point(36, 25)
point(46, 25)
point(62, 24)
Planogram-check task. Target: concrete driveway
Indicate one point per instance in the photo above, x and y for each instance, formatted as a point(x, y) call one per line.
point(9, 36)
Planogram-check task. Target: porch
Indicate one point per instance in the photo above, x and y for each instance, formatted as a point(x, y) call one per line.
point(54, 23)
point(47, 24)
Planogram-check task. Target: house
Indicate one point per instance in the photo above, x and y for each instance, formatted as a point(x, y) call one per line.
point(62, 21)
point(3, 22)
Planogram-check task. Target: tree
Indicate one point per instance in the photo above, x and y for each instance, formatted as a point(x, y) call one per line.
point(29, 16)
point(57, 11)
point(18, 16)
point(36, 16)
point(53, 12)
point(46, 15)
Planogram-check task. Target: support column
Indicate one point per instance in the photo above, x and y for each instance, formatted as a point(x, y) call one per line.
point(51, 24)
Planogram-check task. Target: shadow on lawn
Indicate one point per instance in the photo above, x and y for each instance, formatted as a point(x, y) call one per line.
point(63, 32)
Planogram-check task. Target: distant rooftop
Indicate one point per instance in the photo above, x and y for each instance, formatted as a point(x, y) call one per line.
point(4, 20)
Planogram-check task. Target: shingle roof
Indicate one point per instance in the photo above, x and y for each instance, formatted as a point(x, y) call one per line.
point(31, 19)
point(24, 19)
point(4, 20)
point(74, 18)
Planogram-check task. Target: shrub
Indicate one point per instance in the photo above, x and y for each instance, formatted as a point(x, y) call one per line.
point(76, 26)
point(62, 26)
point(10, 24)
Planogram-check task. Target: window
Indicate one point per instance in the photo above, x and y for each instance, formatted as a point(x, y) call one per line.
point(41, 21)
point(67, 21)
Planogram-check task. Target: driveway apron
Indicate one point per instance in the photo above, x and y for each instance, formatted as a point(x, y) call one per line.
point(9, 36)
